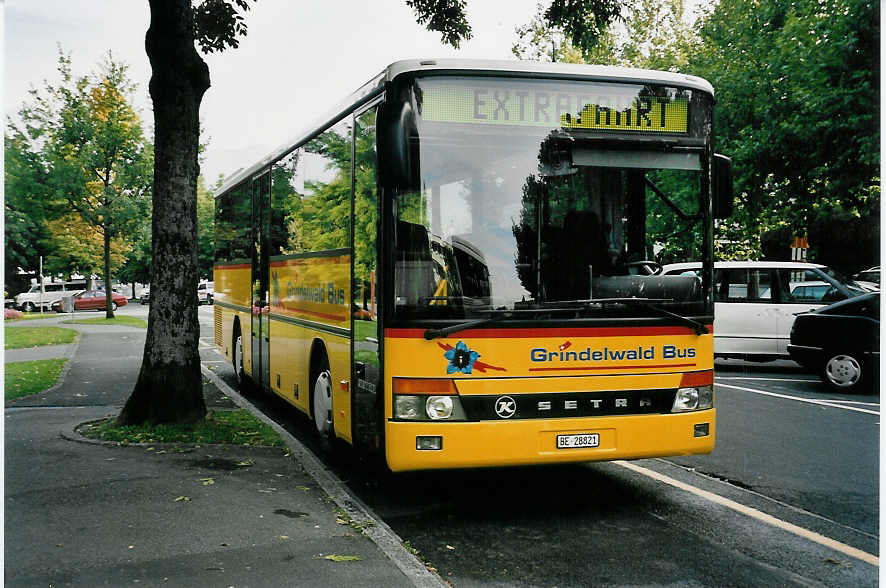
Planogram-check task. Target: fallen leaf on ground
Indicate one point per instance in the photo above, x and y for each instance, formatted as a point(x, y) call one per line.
point(334, 557)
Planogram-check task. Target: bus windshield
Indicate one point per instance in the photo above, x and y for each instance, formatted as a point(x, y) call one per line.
point(512, 216)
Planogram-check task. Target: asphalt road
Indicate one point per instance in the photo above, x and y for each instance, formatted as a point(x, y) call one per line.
point(788, 497)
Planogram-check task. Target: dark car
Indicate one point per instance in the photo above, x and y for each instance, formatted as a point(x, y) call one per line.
point(93, 300)
point(869, 278)
point(841, 342)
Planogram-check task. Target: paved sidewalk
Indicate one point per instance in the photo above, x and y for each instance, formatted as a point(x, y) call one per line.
point(86, 514)
point(34, 353)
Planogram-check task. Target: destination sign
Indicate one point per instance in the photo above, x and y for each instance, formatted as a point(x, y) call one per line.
point(571, 106)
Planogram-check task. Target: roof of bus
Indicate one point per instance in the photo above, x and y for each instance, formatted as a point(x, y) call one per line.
point(601, 73)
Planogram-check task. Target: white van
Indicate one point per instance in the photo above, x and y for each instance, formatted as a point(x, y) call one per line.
point(52, 292)
point(755, 302)
point(205, 293)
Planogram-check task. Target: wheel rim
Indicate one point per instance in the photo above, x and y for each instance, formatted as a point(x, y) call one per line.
point(843, 371)
point(238, 357)
point(323, 403)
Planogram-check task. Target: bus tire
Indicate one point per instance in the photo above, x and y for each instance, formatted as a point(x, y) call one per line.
point(237, 358)
point(321, 402)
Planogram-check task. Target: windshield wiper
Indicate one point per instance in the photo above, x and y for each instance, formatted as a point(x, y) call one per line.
point(445, 331)
point(505, 314)
point(649, 303)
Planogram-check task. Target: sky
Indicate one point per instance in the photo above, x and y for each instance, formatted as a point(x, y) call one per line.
point(297, 61)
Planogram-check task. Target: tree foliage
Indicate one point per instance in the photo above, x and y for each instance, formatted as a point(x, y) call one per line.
point(205, 230)
point(25, 234)
point(798, 111)
point(82, 156)
point(79, 247)
point(443, 16)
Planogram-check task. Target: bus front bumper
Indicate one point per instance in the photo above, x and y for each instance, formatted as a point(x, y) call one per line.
point(532, 442)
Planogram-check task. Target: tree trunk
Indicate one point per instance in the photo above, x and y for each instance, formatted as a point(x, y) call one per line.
point(109, 290)
point(169, 386)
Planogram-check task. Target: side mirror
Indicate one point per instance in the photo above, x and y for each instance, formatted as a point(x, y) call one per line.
point(723, 200)
point(397, 146)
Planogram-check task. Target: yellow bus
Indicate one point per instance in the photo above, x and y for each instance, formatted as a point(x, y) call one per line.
point(460, 266)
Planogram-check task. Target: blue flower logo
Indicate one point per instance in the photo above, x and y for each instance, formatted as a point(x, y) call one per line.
point(461, 359)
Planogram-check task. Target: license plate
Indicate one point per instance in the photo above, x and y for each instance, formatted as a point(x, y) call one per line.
point(578, 441)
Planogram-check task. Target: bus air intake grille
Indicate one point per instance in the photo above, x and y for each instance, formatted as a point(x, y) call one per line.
point(218, 326)
point(572, 404)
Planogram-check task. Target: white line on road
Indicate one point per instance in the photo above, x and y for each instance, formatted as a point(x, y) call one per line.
point(877, 404)
point(799, 399)
point(756, 514)
point(766, 379)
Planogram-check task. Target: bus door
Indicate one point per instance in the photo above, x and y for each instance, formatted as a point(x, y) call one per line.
point(261, 204)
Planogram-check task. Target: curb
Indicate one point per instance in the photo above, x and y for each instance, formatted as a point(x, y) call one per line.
point(373, 527)
point(69, 359)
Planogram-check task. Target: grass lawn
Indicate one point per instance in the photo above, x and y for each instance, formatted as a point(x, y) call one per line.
point(24, 378)
point(235, 427)
point(22, 337)
point(365, 329)
point(123, 320)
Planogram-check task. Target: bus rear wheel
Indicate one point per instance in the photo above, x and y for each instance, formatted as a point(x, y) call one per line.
point(237, 360)
point(321, 405)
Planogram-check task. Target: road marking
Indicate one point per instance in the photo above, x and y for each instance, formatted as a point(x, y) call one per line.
point(756, 514)
point(768, 379)
point(877, 404)
point(799, 399)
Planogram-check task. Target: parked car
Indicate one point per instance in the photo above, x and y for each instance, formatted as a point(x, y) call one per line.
point(145, 296)
point(93, 300)
point(841, 342)
point(205, 292)
point(52, 292)
point(756, 302)
point(869, 278)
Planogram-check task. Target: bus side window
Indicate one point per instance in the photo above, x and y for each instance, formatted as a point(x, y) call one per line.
point(326, 205)
point(366, 294)
point(287, 188)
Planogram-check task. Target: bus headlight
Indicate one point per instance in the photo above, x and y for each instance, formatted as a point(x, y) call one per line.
point(408, 408)
point(428, 408)
point(438, 407)
point(695, 398)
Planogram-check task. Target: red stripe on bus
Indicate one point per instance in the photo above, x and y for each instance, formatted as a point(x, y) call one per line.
point(556, 332)
point(233, 266)
point(610, 367)
point(311, 261)
point(335, 317)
